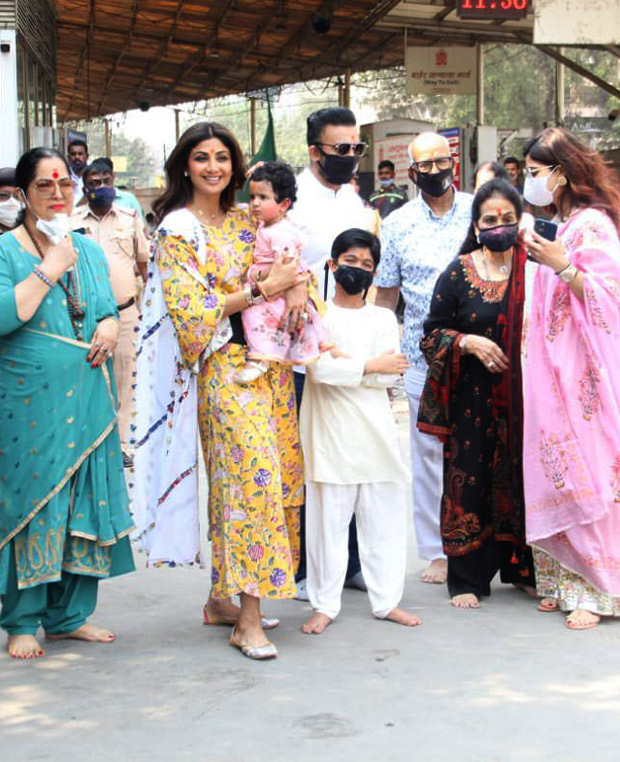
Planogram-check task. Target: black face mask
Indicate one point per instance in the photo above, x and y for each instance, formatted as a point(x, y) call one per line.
point(77, 165)
point(434, 184)
point(499, 238)
point(338, 170)
point(354, 280)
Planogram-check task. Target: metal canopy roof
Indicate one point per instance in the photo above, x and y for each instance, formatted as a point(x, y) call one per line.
point(114, 55)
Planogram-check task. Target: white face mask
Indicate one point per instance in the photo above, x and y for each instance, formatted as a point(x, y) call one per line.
point(385, 183)
point(9, 212)
point(55, 229)
point(536, 192)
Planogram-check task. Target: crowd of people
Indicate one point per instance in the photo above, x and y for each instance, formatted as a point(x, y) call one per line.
point(262, 338)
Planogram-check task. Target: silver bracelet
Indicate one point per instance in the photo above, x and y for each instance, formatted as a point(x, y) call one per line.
point(463, 344)
point(40, 274)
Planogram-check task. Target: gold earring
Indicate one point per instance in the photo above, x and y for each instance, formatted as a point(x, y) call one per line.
point(561, 180)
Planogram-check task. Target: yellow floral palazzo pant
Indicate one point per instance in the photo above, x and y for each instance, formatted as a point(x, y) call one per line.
point(253, 458)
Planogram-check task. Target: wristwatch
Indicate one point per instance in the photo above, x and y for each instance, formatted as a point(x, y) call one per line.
point(568, 274)
point(253, 295)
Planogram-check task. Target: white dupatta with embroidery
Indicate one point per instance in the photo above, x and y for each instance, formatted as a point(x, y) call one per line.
point(164, 483)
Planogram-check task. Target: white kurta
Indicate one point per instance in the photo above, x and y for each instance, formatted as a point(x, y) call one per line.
point(348, 431)
point(353, 464)
point(322, 213)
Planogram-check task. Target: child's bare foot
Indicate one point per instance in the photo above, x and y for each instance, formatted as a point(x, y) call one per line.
point(316, 624)
point(436, 572)
point(580, 619)
point(87, 632)
point(400, 616)
point(465, 601)
point(24, 647)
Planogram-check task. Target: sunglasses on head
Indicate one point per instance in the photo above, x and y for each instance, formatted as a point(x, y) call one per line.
point(344, 149)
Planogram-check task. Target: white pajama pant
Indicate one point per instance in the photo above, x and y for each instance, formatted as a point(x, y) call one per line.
point(381, 510)
point(427, 473)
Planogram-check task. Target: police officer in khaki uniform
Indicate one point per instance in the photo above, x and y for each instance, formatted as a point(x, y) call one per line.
point(120, 233)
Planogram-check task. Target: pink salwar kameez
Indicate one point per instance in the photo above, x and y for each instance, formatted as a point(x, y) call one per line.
point(572, 422)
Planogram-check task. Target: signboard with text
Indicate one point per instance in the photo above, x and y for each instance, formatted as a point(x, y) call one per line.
point(441, 71)
point(574, 22)
point(455, 139)
point(395, 150)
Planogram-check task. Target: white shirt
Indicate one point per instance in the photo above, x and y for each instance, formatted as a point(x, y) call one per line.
point(348, 432)
point(322, 213)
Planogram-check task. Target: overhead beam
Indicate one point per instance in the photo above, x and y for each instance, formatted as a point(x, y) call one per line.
point(579, 69)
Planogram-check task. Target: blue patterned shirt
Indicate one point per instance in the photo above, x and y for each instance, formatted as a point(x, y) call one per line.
point(416, 247)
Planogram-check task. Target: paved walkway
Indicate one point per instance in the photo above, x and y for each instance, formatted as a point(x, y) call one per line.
point(502, 684)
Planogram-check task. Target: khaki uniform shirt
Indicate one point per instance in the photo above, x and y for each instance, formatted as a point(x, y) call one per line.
point(120, 233)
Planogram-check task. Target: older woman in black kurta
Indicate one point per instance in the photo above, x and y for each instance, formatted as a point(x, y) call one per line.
point(472, 399)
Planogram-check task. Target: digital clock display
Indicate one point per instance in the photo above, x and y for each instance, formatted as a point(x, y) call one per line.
point(492, 9)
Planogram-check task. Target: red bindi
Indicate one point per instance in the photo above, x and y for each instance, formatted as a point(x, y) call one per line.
point(55, 175)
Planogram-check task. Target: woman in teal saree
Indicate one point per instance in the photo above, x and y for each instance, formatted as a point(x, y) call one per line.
point(64, 518)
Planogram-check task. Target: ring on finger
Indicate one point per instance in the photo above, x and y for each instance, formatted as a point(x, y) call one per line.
point(490, 364)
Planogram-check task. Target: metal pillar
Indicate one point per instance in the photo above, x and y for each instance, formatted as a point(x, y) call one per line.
point(177, 124)
point(346, 97)
point(479, 85)
point(252, 126)
point(560, 71)
point(108, 137)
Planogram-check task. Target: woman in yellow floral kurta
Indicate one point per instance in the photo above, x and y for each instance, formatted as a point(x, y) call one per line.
point(248, 433)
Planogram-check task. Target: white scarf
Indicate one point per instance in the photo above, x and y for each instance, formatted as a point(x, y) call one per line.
point(164, 484)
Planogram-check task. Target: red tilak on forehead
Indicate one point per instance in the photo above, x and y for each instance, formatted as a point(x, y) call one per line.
point(500, 211)
point(55, 174)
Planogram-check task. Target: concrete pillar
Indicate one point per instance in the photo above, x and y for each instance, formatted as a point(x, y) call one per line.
point(9, 144)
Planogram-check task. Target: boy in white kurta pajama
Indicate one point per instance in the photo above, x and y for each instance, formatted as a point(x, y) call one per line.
point(350, 442)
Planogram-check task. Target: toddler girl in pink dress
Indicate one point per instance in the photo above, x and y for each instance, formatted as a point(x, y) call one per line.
point(273, 190)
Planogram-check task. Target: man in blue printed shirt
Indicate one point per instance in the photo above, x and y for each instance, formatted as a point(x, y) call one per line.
point(418, 241)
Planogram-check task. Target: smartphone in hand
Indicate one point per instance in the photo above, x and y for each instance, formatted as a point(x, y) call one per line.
point(546, 228)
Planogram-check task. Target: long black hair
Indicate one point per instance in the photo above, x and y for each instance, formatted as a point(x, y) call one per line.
point(497, 188)
point(179, 189)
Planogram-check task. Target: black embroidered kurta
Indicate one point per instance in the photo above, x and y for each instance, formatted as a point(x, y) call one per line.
point(471, 409)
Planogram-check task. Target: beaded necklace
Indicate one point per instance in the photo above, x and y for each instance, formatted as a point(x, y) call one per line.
point(72, 292)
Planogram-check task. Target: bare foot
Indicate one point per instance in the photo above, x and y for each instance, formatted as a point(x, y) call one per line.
point(436, 572)
point(223, 609)
point(548, 604)
point(466, 601)
point(89, 632)
point(580, 619)
point(400, 616)
point(24, 647)
point(316, 624)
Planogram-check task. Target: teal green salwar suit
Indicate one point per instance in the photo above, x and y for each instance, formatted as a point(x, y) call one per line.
point(64, 518)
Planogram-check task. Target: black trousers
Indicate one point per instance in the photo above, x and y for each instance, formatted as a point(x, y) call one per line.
point(354, 565)
point(473, 573)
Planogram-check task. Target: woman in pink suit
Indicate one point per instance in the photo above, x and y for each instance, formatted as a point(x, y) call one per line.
point(572, 382)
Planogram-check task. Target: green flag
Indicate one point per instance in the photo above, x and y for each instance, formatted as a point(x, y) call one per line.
point(266, 152)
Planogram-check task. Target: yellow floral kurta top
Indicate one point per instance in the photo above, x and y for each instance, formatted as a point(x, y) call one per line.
point(249, 433)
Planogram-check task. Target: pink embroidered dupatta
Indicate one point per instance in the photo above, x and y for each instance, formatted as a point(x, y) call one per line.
point(572, 407)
